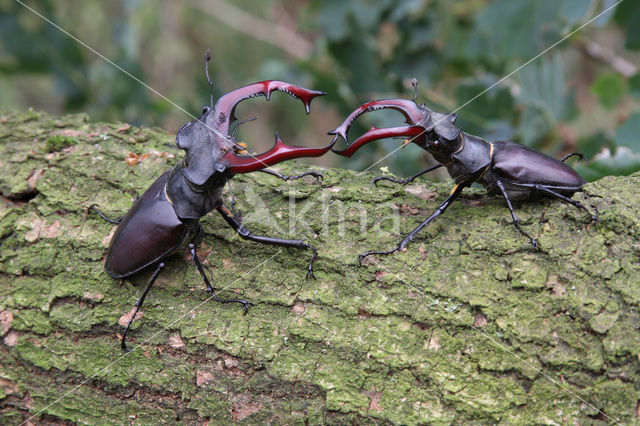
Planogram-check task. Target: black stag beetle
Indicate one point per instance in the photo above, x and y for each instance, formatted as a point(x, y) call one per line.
point(508, 168)
point(166, 216)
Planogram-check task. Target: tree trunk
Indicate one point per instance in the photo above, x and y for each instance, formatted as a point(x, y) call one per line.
point(468, 324)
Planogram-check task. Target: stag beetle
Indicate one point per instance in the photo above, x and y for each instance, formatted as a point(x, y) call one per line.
point(502, 167)
point(166, 216)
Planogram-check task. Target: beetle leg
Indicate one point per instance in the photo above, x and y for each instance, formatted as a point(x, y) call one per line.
point(577, 154)
point(114, 221)
point(553, 191)
point(247, 235)
point(575, 203)
point(407, 180)
point(516, 221)
point(285, 178)
point(139, 303)
point(441, 209)
point(196, 260)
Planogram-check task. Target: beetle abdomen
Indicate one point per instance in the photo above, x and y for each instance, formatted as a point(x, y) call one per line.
point(148, 232)
point(522, 164)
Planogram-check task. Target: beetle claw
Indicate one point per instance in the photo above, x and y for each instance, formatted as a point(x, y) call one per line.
point(226, 105)
point(375, 181)
point(534, 244)
point(411, 111)
point(313, 259)
point(369, 253)
point(280, 152)
point(316, 175)
point(380, 133)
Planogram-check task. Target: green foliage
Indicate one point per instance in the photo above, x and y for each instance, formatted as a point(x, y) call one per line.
point(521, 29)
point(623, 162)
point(610, 89)
point(460, 50)
point(34, 47)
point(472, 57)
point(629, 133)
point(628, 16)
point(624, 156)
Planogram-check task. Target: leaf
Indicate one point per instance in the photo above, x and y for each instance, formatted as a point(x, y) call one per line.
point(507, 33)
point(623, 163)
point(521, 29)
point(634, 84)
point(336, 17)
point(332, 18)
point(574, 11)
point(533, 126)
point(358, 58)
point(406, 8)
point(590, 145)
point(543, 85)
point(629, 133)
point(609, 89)
point(628, 15)
point(486, 114)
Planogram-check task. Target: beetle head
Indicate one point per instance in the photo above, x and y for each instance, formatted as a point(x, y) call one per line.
point(440, 125)
point(223, 116)
point(209, 140)
point(440, 147)
point(203, 148)
point(441, 136)
point(424, 125)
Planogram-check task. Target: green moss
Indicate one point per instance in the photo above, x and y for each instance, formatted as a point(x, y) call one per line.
point(621, 340)
point(213, 406)
point(88, 404)
point(615, 397)
point(33, 320)
point(467, 325)
point(602, 322)
point(58, 143)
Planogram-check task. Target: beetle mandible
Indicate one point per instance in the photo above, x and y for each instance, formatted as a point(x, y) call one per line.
point(166, 216)
point(507, 168)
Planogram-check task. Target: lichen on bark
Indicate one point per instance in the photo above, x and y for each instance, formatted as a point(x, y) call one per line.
point(467, 325)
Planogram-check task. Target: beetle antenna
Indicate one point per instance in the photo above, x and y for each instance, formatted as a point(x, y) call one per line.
point(414, 83)
point(207, 58)
point(236, 125)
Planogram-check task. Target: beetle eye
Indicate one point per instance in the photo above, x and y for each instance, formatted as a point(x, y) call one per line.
point(205, 110)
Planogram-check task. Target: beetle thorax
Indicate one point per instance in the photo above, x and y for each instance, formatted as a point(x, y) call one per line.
point(471, 159)
point(193, 201)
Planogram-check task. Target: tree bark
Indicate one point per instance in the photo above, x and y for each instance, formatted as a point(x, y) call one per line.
point(468, 324)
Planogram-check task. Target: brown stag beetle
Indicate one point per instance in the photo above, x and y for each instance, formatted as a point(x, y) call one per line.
point(166, 216)
point(507, 168)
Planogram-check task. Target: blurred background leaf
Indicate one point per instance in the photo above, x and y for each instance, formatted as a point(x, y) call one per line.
point(582, 96)
point(623, 162)
point(628, 133)
point(609, 89)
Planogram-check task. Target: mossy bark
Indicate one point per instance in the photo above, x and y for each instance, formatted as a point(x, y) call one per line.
point(467, 325)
